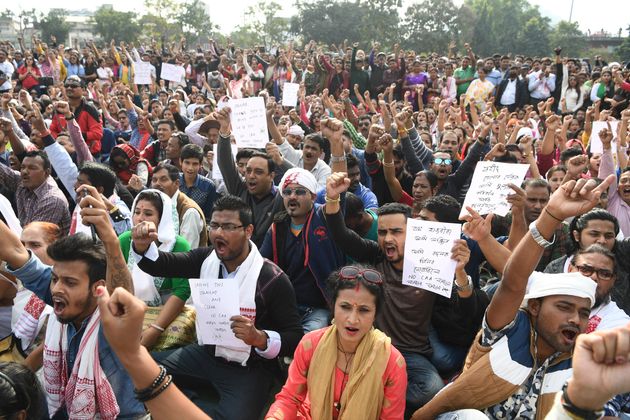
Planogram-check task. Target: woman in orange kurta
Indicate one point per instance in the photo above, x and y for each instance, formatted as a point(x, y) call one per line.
point(349, 370)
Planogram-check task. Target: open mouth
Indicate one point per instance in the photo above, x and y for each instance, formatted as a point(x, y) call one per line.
point(390, 251)
point(58, 305)
point(220, 246)
point(570, 334)
point(352, 330)
point(625, 190)
point(293, 205)
point(251, 185)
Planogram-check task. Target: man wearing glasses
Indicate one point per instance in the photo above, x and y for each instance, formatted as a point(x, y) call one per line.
point(87, 116)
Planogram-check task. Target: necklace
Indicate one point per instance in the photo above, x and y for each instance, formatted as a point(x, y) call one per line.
point(348, 356)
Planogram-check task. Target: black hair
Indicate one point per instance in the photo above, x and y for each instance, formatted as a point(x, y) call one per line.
point(20, 390)
point(430, 176)
point(244, 154)
point(445, 207)
point(553, 169)
point(317, 138)
point(394, 208)
point(271, 165)
point(233, 203)
point(354, 205)
point(169, 122)
point(41, 154)
point(398, 152)
point(182, 139)
point(536, 183)
point(193, 151)
point(173, 172)
point(624, 170)
point(597, 249)
point(506, 158)
point(100, 175)
point(351, 161)
point(579, 223)
point(81, 247)
point(567, 154)
point(154, 198)
point(335, 284)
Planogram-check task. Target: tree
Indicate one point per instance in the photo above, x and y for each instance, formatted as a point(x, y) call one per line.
point(194, 21)
point(263, 21)
point(535, 34)
point(329, 22)
point(623, 51)
point(54, 24)
point(568, 36)
point(111, 24)
point(379, 20)
point(428, 26)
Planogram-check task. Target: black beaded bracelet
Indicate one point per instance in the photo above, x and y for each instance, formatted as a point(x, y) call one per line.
point(146, 392)
point(568, 405)
point(169, 380)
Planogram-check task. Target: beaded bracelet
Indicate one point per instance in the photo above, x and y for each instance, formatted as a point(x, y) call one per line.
point(169, 380)
point(146, 392)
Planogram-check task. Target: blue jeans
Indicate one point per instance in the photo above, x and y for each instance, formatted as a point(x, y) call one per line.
point(243, 391)
point(423, 381)
point(447, 358)
point(313, 318)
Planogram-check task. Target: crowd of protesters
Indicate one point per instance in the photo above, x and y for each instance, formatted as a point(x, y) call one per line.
point(312, 229)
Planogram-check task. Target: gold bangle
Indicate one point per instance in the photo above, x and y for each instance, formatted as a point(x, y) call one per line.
point(332, 200)
point(388, 164)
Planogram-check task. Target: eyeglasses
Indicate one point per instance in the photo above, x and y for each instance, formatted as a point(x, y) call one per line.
point(352, 273)
point(588, 271)
point(365, 124)
point(226, 227)
point(440, 161)
point(287, 192)
point(72, 85)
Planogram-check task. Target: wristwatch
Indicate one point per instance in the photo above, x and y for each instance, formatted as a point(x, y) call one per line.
point(467, 288)
point(539, 238)
point(335, 159)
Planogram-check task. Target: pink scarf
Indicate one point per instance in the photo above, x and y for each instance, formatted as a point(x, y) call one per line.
point(87, 393)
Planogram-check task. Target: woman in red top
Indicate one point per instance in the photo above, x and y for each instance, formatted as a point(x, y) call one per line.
point(29, 73)
point(349, 370)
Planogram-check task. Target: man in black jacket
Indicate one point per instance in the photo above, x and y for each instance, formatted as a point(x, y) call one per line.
point(272, 328)
point(512, 91)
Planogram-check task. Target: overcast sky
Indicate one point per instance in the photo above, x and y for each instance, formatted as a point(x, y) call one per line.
point(591, 16)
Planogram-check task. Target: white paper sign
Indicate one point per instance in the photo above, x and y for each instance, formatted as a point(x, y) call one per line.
point(216, 301)
point(249, 122)
point(216, 172)
point(596, 142)
point(142, 72)
point(428, 264)
point(290, 94)
point(9, 215)
point(172, 72)
point(489, 187)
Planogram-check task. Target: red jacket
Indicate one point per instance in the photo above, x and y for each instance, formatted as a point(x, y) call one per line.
point(89, 121)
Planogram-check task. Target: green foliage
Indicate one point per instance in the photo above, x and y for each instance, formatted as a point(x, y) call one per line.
point(170, 19)
point(54, 24)
point(264, 26)
point(568, 36)
point(194, 21)
point(623, 51)
point(120, 26)
point(330, 22)
point(428, 26)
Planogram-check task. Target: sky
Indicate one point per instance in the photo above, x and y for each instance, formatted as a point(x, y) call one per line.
point(615, 15)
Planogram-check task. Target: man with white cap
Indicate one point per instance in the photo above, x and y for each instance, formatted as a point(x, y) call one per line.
point(295, 134)
point(300, 244)
point(522, 355)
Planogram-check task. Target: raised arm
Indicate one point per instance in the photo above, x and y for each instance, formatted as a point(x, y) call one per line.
point(571, 199)
point(389, 171)
point(478, 229)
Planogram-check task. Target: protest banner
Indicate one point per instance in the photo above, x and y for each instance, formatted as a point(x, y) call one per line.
point(249, 122)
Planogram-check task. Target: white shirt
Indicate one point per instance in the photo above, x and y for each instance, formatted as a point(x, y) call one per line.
point(7, 68)
point(191, 225)
point(509, 94)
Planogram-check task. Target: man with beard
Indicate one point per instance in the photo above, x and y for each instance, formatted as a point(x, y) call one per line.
point(156, 151)
point(599, 264)
point(529, 330)
point(511, 92)
point(268, 322)
point(86, 115)
point(78, 360)
point(356, 187)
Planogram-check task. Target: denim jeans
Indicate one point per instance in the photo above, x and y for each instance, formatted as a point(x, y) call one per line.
point(243, 391)
point(313, 318)
point(423, 381)
point(447, 358)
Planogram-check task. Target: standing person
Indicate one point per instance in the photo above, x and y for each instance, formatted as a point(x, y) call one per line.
point(268, 322)
point(466, 73)
point(351, 363)
point(29, 73)
point(535, 341)
point(479, 91)
point(6, 71)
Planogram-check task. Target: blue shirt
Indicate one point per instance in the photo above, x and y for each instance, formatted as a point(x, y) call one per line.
point(494, 76)
point(203, 192)
point(365, 194)
point(36, 277)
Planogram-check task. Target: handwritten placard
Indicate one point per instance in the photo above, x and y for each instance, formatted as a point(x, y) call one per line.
point(216, 301)
point(249, 122)
point(172, 72)
point(216, 172)
point(428, 264)
point(290, 94)
point(596, 142)
point(142, 73)
point(489, 187)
